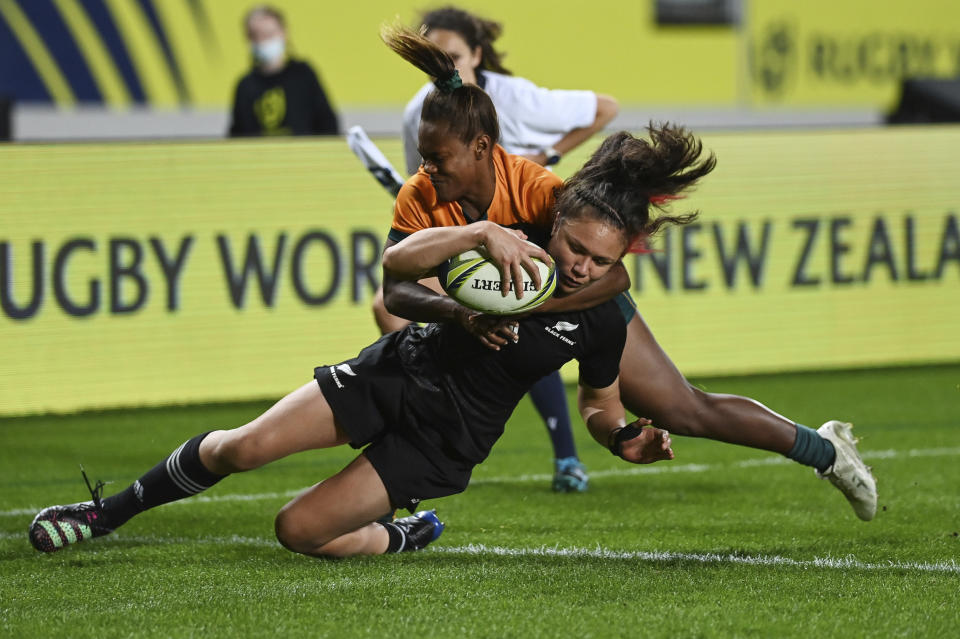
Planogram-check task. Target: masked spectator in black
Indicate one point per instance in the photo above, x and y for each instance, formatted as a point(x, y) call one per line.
point(279, 95)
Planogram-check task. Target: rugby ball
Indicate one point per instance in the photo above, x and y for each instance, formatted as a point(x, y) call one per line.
point(473, 279)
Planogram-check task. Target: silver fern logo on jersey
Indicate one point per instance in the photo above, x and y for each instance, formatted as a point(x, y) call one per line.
point(343, 368)
point(566, 327)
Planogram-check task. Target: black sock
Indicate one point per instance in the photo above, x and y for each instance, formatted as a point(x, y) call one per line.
point(397, 538)
point(179, 475)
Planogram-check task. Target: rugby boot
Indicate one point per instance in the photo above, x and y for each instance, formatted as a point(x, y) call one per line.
point(570, 475)
point(848, 472)
point(418, 530)
point(56, 527)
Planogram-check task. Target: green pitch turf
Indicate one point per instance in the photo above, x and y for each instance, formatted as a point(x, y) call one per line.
point(723, 541)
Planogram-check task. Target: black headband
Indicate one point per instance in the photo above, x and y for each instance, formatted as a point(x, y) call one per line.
point(588, 196)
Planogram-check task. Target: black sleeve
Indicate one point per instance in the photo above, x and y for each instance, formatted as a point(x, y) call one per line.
point(600, 363)
point(324, 119)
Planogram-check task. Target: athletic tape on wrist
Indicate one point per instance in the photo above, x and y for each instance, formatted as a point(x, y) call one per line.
point(620, 435)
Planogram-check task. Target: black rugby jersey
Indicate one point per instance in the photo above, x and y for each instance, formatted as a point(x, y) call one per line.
point(484, 386)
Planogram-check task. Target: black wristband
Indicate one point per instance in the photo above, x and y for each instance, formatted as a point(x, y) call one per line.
point(553, 156)
point(621, 434)
point(613, 433)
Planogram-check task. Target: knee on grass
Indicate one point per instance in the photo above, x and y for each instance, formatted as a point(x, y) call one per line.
point(297, 535)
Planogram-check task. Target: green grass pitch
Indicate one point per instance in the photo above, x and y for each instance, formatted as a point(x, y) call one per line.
point(723, 541)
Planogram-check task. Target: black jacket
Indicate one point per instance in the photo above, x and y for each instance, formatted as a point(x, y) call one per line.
point(291, 102)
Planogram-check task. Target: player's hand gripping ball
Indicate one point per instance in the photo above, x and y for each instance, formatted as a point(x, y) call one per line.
point(473, 279)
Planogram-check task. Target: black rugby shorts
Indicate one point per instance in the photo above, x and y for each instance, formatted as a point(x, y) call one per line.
point(370, 396)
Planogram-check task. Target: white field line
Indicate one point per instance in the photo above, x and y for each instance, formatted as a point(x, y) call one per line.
point(659, 469)
point(656, 469)
point(236, 540)
point(197, 499)
point(650, 556)
point(843, 563)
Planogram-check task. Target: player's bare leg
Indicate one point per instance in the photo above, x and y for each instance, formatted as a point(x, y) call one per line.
point(300, 421)
point(651, 386)
point(335, 518)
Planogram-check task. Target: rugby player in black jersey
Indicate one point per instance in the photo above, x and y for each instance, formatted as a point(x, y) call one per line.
point(426, 404)
point(462, 181)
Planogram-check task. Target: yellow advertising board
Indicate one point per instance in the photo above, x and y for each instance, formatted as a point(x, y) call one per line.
point(855, 54)
point(175, 54)
point(158, 273)
point(135, 274)
point(814, 250)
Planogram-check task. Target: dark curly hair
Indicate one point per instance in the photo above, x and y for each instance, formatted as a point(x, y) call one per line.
point(475, 31)
point(627, 176)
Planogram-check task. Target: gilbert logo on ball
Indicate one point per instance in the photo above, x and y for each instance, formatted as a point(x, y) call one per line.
point(473, 279)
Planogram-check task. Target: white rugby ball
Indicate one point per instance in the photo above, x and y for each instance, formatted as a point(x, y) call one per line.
point(473, 279)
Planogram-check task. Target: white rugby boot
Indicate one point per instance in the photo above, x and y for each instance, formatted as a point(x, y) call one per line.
point(848, 472)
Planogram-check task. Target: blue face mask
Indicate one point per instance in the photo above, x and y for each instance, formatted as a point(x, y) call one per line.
point(268, 51)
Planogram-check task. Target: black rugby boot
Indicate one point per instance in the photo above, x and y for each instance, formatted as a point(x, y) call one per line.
point(418, 530)
point(55, 527)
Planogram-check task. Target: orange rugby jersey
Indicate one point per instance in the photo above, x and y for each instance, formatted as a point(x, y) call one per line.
point(524, 194)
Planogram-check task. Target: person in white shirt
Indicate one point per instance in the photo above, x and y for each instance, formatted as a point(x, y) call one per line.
point(537, 123)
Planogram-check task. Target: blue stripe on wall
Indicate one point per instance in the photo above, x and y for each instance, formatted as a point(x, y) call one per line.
point(107, 28)
point(151, 12)
point(53, 31)
point(18, 79)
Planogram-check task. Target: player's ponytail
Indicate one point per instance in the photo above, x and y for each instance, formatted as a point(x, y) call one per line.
point(422, 54)
point(475, 31)
point(628, 176)
point(465, 109)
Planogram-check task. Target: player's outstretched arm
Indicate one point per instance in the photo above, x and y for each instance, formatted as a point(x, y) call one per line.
point(607, 110)
point(415, 302)
point(649, 445)
point(404, 297)
point(637, 442)
point(601, 410)
point(418, 254)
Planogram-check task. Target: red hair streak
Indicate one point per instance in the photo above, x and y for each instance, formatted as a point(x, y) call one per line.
point(660, 200)
point(640, 244)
